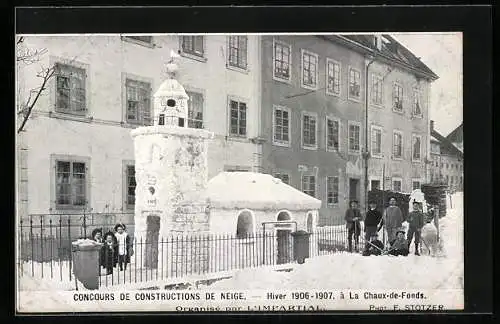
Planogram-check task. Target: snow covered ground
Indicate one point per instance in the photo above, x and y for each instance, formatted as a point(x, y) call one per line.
point(339, 270)
point(354, 271)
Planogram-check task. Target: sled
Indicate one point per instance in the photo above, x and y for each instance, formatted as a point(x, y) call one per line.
point(382, 251)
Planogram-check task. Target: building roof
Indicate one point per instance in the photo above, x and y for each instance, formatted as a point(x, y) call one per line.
point(457, 135)
point(390, 50)
point(256, 191)
point(446, 146)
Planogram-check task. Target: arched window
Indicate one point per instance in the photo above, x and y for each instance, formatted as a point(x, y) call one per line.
point(245, 225)
point(284, 216)
point(310, 222)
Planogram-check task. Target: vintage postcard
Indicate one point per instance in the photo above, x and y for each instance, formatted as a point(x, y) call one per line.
point(239, 172)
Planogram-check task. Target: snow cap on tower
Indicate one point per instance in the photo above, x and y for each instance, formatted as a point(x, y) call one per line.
point(170, 100)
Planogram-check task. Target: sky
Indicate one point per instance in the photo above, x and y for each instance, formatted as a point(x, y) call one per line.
point(442, 53)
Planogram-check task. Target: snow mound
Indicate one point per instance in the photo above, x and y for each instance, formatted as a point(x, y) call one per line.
point(257, 191)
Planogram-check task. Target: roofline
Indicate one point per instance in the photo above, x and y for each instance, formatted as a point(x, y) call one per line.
point(366, 50)
point(444, 141)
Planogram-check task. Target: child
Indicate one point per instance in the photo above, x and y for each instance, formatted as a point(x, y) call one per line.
point(352, 218)
point(416, 222)
point(375, 247)
point(123, 242)
point(399, 245)
point(97, 235)
point(108, 253)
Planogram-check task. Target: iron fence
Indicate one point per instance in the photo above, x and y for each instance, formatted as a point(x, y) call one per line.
point(45, 250)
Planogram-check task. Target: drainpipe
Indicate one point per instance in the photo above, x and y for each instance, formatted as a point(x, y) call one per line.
point(366, 153)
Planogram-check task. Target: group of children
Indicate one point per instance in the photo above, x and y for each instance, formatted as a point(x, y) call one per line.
point(116, 248)
point(392, 219)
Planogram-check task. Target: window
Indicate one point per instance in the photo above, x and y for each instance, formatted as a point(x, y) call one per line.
point(285, 178)
point(354, 83)
point(130, 186)
point(238, 51)
point(397, 144)
point(415, 184)
point(309, 70)
point(238, 117)
point(71, 183)
point(397, 97)
point(70, 89)
point(281, 126)
point(138, 102)
point(396, 184)
point(309, 129)
point(376, 141)
point(332, 190)
point(376, 89)
point(416, 147)
point(193, 45)
point(332, 77)
point(417, 110)
point(354, 139)
point(282, 60)
point(195, 109)
point(375, 185)
point(142, 39)
point(332, 134)
point(236, 168)
point(461, 181)
point(309, 185)
point(447, 180)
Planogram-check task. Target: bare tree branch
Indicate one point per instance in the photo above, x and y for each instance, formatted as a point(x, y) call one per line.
point(28, 106)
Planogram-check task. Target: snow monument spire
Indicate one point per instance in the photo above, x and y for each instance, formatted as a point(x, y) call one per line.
point(170, 170)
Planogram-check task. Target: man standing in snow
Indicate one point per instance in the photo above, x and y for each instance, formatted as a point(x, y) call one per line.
point(352, 218)
point(392, 218)
point(372, 221)
point(416, 222)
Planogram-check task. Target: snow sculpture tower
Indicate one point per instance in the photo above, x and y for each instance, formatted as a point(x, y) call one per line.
point(170, 170)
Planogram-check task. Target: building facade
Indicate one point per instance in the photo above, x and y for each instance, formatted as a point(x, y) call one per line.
point(446, 161)
point(314, 97)
point(76, 152)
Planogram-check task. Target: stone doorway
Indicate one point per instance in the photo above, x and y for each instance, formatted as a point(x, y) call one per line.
point(284, 246)
point(152, 236)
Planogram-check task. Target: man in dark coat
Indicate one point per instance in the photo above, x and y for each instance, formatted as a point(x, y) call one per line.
point(393, 219)
point(399, 245)
point(374, 247)
point(373, 222)
point(416, 222)
point(352, 218)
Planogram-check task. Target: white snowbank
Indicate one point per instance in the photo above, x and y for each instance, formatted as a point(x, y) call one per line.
point(257, 191)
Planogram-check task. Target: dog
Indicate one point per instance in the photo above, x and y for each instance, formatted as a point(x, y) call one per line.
point(430, 243)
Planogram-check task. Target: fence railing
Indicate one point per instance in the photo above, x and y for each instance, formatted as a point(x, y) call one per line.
point(47, 253)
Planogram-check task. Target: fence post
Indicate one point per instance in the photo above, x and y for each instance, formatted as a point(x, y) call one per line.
point(51, 248)
point(20, 248)
point(70, 248)
point(32, 247)
point(84, 225)
point(59, 251)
